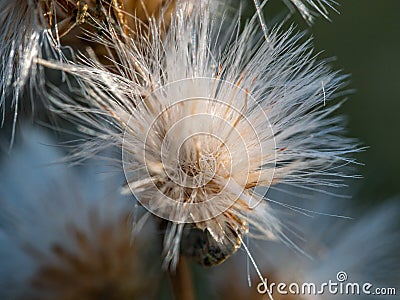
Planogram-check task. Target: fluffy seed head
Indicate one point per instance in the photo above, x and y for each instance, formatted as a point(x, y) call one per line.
point(206, 116)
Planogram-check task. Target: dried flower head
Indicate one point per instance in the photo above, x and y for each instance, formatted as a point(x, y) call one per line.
point(63, 233)
point(206, 116)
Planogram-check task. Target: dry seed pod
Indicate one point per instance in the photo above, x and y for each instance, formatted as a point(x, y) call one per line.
point(200, 246)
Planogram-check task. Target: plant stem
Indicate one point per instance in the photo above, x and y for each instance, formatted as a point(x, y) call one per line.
point(181, 281)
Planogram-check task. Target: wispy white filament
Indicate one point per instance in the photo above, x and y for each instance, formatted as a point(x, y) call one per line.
point(22, 36)
point(310, 8)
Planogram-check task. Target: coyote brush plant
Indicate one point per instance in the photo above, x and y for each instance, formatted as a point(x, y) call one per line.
point(207, 115)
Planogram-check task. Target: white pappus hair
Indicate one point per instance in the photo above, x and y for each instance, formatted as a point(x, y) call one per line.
point(204, 116)
point(23, 36)
point(310, 8)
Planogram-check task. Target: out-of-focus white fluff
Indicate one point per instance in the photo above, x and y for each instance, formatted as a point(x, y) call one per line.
point(43, 202)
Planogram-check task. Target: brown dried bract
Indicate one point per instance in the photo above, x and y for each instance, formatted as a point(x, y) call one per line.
point(61, 16)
